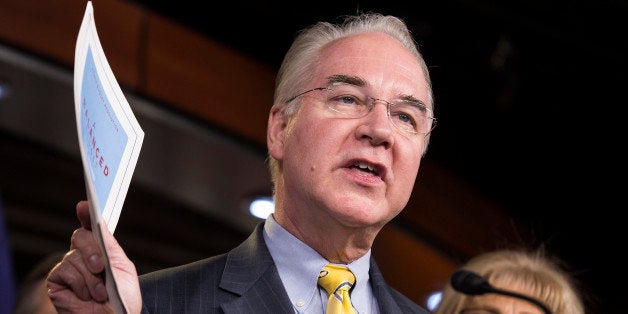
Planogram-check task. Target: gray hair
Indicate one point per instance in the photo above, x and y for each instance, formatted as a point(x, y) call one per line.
point(302, 55)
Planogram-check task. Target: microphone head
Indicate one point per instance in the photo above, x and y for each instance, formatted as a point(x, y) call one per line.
point(470, 283)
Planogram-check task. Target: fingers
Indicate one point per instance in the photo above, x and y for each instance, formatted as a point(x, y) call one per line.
point(81, 269)
point(82, 212)
point(77, 284)
point(83, 239)
point(85, 244)
point(71, 274)
point(79, 275)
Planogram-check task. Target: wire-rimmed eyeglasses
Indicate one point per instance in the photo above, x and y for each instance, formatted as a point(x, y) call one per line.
point(350, 101)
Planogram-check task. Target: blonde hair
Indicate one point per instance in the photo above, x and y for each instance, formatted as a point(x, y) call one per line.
point(541, 277)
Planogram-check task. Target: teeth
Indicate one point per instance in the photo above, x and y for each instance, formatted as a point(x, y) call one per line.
point(362, 165)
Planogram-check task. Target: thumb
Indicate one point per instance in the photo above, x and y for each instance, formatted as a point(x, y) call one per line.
point(123, 271)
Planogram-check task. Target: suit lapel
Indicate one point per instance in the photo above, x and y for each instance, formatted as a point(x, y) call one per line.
point(386, 302)
point(250, 272)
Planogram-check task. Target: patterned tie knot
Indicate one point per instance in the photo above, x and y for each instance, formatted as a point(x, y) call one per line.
point(337, 281)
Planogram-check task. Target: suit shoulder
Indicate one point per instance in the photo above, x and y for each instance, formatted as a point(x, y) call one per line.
point(204, 269)
point(405, 304)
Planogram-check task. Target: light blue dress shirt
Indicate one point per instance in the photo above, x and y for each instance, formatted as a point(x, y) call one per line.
point(299, 266)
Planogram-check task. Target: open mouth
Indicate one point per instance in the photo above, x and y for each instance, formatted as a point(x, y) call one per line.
point(362, 166)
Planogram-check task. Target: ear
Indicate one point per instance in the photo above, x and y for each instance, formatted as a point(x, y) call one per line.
point(275, 132)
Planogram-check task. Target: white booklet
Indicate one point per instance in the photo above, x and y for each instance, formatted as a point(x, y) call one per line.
point(109, 135)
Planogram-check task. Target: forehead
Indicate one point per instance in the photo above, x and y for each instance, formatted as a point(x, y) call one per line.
point(386, 66)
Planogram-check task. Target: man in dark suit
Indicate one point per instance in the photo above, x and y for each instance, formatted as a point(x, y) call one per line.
point(350, 123)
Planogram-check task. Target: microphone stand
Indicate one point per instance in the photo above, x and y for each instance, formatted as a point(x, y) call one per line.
point(523, 297)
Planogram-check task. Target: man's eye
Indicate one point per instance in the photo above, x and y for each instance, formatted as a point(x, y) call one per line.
point(349, 100)
point(405, 118)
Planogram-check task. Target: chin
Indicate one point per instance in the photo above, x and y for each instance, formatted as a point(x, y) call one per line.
point(361, 218)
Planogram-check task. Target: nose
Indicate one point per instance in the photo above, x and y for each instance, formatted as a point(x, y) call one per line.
point(376, 125)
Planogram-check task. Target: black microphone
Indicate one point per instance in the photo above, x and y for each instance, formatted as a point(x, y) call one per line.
point(470, 283)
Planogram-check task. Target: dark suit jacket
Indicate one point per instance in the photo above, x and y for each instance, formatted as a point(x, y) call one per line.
point(245, 280)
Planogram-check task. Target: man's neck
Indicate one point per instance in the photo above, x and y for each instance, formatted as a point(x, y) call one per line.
point(336, 243)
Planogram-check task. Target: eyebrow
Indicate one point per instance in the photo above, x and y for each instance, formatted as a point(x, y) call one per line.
point(346, 79)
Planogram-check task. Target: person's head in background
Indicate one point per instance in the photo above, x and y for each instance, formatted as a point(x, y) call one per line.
point(528, 272)
point(32, 296)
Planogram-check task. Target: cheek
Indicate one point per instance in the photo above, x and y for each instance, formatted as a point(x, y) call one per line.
point(317, 133)
point(406, 170)
point(407, 161)
point(307, 141)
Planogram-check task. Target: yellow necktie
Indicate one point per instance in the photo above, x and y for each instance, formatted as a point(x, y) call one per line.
point(337, 281)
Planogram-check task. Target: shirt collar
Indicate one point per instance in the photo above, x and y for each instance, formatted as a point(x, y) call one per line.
point(299, 265)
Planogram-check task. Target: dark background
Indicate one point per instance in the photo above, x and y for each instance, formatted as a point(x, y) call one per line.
point(528, 97)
